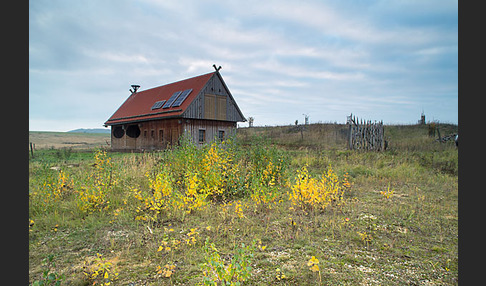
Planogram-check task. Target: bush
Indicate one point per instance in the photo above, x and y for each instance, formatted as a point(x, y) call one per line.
point(311, 194)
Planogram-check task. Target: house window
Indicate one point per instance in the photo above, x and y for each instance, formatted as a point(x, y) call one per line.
point(221, 135)
point(202, 135)
point(118, 132)
point(145, 134)
point(133, 131)
point(152, 134)
point(161, 135)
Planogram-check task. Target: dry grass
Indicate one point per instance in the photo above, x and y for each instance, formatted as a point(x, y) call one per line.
point(398, 226)
point(58, 140)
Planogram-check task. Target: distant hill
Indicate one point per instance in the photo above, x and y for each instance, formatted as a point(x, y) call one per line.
point(91, 130)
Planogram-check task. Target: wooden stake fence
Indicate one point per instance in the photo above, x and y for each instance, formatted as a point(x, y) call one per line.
point(365, 135)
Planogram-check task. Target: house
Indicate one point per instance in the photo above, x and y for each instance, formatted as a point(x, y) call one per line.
point(201, 107)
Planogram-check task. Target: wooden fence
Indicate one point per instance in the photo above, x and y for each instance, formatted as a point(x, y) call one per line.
point(365, 135)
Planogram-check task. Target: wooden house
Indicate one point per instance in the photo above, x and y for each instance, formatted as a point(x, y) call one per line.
point(201, 107)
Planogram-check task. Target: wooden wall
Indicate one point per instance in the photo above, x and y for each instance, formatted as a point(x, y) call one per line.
point(214, 102)
point(158, 134)
point(211, 129)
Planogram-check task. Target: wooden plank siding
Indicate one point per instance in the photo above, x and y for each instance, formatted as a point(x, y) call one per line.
point(159, 134)
point(211, 129)
point(214, 102)
point(155, 134)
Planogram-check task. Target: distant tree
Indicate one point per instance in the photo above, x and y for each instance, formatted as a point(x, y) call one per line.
point(250, 121)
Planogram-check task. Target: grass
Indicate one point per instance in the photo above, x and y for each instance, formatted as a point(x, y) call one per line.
point(68, 140)
point(398, 223)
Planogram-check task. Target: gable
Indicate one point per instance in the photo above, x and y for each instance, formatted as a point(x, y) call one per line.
point(214, 102)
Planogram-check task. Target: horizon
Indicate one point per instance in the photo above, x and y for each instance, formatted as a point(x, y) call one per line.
point(264, 126)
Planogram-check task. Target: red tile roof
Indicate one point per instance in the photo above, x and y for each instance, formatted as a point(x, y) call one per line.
point(138, 105)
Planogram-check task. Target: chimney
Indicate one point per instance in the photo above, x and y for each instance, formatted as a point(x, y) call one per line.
point(135, 88)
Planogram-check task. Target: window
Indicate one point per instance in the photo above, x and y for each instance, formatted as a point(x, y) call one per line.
point(161, 135)
point(221, 135)
point(133, 131)
point(118, 132)
point(152, 134)
point(214, 107)
point(202, 135)
point(145, 134)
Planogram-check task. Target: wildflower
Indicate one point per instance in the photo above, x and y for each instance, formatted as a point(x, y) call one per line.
point(314, 267)
point(292, 222)
point(280, 275)
point(366, 237)
point(168, 270)
point(260, 246)
point(192, 235)
point(313, 264)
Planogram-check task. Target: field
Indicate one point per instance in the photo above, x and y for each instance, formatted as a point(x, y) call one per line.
point(272, 206)
point(59, 140)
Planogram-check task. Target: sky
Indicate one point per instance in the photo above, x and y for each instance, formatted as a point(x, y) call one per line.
point(281, 60)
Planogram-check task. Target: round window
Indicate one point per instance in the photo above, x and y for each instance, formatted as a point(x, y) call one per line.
point(118, 132)
point(133, 131)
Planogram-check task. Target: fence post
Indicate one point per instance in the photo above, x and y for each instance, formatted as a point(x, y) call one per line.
point(31, 150)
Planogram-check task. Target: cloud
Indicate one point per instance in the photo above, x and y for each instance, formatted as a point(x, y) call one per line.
point(279, 58)
point(300, 72)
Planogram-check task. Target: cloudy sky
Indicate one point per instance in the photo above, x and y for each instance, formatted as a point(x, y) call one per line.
point(380, 60)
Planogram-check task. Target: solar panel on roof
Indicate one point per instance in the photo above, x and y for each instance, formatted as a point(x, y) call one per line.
point(172, 99)
point(182, 97)
point(158, 104)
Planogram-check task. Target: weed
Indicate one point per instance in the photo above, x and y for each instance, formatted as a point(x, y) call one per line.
point(100, 271)
point(192, 236)
point(280, 275)
point(388, 193)
point(313, 265)
point(312, 194)
point(99, 184)
point(167, 270)
point(49, 277)
point(365, 237)
point(215, 270)
point(31, 224)
point(157, 200)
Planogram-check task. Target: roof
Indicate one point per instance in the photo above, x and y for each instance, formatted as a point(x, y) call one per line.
point(138, 106)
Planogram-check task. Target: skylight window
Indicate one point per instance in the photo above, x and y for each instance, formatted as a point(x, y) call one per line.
point(158, 104)
point(172, 99)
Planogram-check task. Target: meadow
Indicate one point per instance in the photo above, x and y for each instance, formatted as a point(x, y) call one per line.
point(271, 206)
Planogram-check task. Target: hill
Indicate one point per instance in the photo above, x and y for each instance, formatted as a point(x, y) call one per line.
point(91, 130)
